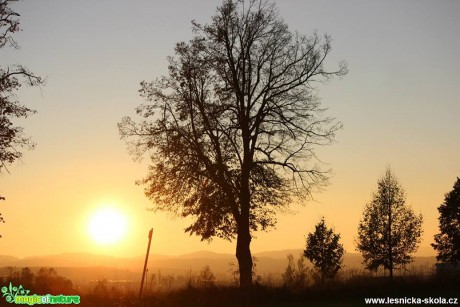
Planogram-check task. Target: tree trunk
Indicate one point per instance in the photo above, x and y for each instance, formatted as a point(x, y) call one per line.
point(390, 248)
point(390, 242)
point(243, 254)
point(243, 241)
point(391, 269)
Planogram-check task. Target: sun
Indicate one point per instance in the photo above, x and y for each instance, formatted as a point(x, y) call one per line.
point(107, 226)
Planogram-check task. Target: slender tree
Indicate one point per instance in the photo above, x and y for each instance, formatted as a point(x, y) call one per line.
point(324, 250)
point(447, 242)
point(389, 231)
point(232, 127)
point(12, 139)
point(295, 274)
point(207, 278)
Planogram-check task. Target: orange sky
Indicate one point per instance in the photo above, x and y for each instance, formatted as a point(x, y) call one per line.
point(399, 105)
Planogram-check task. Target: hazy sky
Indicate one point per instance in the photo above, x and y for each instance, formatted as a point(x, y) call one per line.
point(399, 105)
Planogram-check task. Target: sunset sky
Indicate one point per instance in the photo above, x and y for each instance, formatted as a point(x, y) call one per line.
point(399, 105)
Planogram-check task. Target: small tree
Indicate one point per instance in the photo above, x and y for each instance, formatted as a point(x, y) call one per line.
point(27, 278)
point(295, 275)
point(207, 278)
point(324, 250)
point(447, 242)
point(389, 231)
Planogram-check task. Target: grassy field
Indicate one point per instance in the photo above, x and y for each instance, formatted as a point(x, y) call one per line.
point(351, 293)
point(301, 288)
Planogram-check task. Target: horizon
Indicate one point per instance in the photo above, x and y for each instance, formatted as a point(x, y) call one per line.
point(418, 254)
point(398, 105)
point(182, 263)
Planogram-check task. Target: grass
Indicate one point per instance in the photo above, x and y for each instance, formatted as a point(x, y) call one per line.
point(348, 289)
point(336, 293)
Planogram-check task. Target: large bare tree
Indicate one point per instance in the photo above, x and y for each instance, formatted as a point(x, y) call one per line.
point(12, 139)
point(231, 130)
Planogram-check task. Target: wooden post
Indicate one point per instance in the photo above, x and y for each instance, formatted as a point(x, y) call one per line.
point(145, 263)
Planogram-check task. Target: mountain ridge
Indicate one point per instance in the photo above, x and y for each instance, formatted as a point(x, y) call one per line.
point(267, 259)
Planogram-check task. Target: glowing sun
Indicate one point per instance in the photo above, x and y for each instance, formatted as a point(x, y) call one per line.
point(107, 226)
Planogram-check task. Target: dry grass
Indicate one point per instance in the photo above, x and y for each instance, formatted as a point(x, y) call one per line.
point(349, 289)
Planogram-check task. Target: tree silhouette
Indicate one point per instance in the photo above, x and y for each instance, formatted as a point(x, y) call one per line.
point(48, 281)
point(207, 278)
point(27, 278)
point(12, 140)
point(447, 242)
point(232, 126)
point(389, 231)
point(324, 250)
point(296, 273)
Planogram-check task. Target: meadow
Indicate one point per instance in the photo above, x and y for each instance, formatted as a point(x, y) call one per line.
point(348, 289)
point(300, 287)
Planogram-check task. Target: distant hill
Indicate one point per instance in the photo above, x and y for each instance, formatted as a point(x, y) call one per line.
point(205, 255)
point(70, 260)
point(5, 260)
point(85, 266)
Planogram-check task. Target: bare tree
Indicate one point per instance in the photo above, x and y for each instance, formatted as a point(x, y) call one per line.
point(389, 231)
point(233, 126)
point(12, 140)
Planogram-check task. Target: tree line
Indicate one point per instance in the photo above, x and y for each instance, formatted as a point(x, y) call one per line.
point(44, 281)
point(388, 233)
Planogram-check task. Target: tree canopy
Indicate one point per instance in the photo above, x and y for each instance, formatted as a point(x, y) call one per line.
point(12, 139)
point(389, 230)
point(231, 130)
point(12, 77)
point(324, 250)
point(447, 242)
